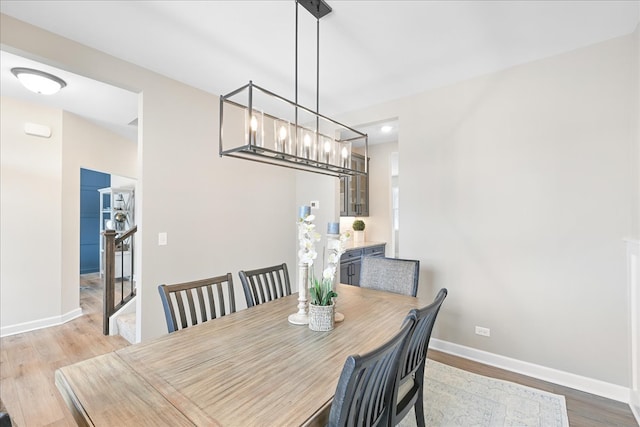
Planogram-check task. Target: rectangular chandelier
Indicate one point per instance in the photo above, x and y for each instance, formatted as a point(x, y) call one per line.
point(259, 125)
point(264, 127)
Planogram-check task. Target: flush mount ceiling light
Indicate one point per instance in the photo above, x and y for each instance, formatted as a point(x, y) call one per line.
point(386, 128)
point(259, 125)
point(38, 81)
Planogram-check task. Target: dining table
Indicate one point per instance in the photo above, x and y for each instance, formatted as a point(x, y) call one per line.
point(248, 368)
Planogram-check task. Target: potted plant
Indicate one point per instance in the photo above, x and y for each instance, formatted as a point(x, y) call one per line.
point(358, 231)
point(321, 307)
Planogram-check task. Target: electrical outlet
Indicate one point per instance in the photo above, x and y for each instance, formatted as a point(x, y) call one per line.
point(315, 204)
point(485, 332)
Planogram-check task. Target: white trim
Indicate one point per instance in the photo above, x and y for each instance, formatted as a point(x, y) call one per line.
point(129, 307)
point(40, 323)
point(567, 379)
point(634, 404)
point(633, 284)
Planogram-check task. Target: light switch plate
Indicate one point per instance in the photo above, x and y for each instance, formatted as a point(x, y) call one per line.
point(162, 239)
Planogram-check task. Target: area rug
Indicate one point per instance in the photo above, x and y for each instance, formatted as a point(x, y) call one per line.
point(454, 397)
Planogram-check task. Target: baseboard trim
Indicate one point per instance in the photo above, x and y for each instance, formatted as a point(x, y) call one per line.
point(40, 323)
point(634, 403)
point(589, 385)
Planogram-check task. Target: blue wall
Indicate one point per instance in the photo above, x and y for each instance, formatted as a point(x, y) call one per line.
point(90, 182)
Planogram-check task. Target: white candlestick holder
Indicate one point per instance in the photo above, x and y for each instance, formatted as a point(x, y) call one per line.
point(302, 316)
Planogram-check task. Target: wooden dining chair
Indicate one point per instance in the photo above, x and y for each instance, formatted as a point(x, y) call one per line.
point(409, 386)
point(364, 394)
point(187, 304)
point(265, 284)
point(5, 418)
point(390, 274)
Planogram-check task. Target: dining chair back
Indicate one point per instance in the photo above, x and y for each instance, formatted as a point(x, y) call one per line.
point(265, 284)
point(5, 419)
point(390, 274)
point(187, 304)
point(409, 386)
point(364, 394)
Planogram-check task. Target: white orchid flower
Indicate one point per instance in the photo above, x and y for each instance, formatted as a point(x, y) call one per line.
point(333, 258)
point(333, 245)
point(328, 273)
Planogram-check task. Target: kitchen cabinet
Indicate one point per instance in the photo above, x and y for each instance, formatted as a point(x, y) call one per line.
point(351, 261)
point(354, 190)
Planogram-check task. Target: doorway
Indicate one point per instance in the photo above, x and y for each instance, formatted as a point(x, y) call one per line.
point(90, 182)
point(395, 205)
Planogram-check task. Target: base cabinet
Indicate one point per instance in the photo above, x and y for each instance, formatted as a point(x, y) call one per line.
point(350, 272)
point(351, 261)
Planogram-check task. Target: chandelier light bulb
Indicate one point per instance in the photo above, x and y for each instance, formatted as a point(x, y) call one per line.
point(283, 133)
point(254, 123)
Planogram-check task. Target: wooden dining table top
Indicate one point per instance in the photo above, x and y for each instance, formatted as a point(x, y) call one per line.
point(249, 368)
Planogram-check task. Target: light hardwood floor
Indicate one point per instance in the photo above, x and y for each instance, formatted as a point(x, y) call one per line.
point(28, 362)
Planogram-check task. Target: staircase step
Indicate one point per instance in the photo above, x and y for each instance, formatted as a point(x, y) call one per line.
point(127, 326)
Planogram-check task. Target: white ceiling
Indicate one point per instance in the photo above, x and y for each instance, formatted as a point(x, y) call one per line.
point(103, 104)
point(370, 51)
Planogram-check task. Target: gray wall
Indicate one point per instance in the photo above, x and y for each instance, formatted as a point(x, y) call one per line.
point(518, 188)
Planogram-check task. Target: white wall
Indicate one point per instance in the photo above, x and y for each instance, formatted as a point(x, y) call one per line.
point(521, 189)
point(88, 146)
point(40, 210)
point(30, 217)
point(323, 188)
point(517, 189)
point(379, 222)
point(220, 214)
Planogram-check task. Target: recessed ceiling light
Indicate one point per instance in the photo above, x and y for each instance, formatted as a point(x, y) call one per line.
point(38, 81)
point(386, 128)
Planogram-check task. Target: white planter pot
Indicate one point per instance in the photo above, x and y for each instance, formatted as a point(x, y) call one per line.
point(358, 236)
point(321, 317)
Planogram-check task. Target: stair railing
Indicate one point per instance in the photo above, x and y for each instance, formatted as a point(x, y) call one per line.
point(113, 244)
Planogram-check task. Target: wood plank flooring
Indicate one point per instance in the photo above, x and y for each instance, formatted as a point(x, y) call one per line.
point(28, 362)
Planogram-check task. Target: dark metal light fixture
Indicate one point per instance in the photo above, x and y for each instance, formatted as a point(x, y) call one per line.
point(262, 126)
point(38, 81)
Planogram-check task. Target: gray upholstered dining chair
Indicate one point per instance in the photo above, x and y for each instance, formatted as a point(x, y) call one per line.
point(390, 274)
point(265, 284)
point(409, 386)
point(187, 304)
point(364, 394)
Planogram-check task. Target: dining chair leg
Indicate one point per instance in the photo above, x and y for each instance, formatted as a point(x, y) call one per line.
point(419, 406)
point(420, 410)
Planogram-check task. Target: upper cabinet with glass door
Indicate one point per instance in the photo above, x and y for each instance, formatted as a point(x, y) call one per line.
point(354, 190)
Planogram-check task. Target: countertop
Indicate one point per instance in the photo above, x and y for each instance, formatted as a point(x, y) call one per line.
point(351, 245)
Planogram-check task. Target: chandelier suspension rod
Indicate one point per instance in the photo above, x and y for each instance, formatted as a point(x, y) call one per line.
point(324, 153)
point(318, 71)
point(296, 76)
